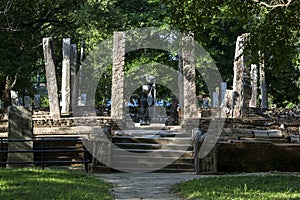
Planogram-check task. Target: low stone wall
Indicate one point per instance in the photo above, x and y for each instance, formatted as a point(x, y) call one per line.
point(245, 156)
point(242, 128)
point(70, 122)
point(69, 126)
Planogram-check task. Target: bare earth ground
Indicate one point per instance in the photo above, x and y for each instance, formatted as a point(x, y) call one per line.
point(146, 186)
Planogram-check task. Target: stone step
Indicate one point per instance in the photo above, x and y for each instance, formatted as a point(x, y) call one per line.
point(158, 152)
point(153, 140)
point(162, 170)
point(140, 158)
point(148, 149)
point(153, 146)
point(148, 132)
point(143, 164)
point(154, 163)
point(268, 133)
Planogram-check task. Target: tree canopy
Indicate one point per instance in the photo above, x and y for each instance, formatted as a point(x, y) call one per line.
point(273, 25)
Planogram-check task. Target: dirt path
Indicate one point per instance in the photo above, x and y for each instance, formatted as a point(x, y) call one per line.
point(146, 186)
point(157, 186)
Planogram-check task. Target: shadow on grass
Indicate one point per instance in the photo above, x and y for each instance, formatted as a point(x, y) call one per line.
point(51, 184)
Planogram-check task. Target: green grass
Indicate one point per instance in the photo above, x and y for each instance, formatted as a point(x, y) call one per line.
point(50, 184)
point(275, 187)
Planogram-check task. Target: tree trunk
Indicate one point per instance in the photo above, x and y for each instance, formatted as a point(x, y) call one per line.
point(9, 84)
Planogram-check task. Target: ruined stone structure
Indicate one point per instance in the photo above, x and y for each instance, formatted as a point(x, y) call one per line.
point(245, 82)
point(188, 71)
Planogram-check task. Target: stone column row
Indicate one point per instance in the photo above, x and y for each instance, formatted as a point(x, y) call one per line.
point(245, 81)
point(69, 65)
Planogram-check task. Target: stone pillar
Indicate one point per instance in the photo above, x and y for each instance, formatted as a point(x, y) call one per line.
point(79, 79)
point(117, 93)
point(223, 91)
point(66, 77)
point(189, 77)
point(215, 100)
point(253, 74)
point(51, 77)
point(240, 85)
point(27, 101)
point(180, 81)
point(20, 128)
point(262, 81)
point(37, 101)
point(229, 102)
point(73, 63)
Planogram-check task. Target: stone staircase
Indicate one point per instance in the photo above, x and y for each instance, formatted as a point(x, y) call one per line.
point(146, 150)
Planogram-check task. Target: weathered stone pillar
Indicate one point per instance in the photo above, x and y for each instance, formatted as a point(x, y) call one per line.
point(223, 86)
point(27, 101)
point(66, 77)
point(180, 81)
point(262, 81)
point(229, 102)
point(189, 77)
point(20, 128)
point(37, 101)
point(73, 63)
point(253, 73)
point(51, 77)
point(240, 85)
point(215, 102)
point(117, 93)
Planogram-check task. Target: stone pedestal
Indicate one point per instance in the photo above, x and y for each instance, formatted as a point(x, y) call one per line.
point(20, 128)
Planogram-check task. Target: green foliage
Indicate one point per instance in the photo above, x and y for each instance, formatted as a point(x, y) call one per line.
point(50, 184)
point(274, 31)
point(241, 187)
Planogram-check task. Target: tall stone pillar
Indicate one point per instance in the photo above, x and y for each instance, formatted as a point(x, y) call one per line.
point(241, 78)
point(20, 128)
point(253, 73)
point(66, 77)
point(73, 63)
point(223, 88)
point(117, 93)
point(189, 77)
point(262, 82)
point(51, 77)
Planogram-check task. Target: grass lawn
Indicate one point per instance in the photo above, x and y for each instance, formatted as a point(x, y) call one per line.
point(275, 187)
point(50, 184)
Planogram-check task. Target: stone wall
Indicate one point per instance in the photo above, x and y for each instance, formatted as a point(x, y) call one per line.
point(70, 122)
point(238, 156)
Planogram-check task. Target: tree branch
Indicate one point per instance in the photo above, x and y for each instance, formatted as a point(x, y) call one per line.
point(15, 80)
point(273, 6)
point(8, 5)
